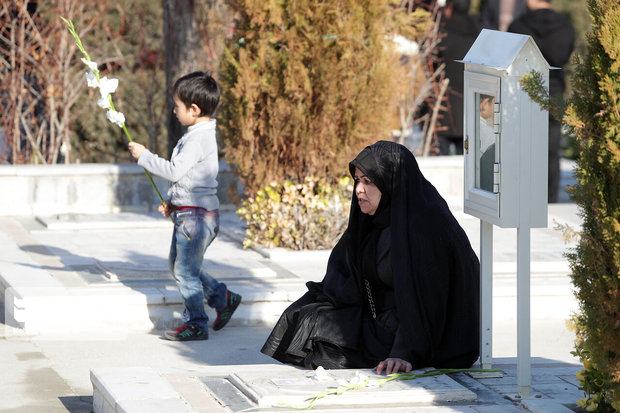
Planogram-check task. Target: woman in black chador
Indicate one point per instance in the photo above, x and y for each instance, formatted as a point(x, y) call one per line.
point(401, 290)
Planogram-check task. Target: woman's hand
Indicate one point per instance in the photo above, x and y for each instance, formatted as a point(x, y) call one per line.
point(393, 365)
point(136, 149)
point(166, 210)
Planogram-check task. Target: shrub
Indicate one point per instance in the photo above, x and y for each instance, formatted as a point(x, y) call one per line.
point(595, 384)
point(593, 114)
point(39, 84)
point(312, 215)
point(306, 85)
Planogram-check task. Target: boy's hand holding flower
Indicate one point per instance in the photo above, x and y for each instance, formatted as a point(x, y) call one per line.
point(166, 209)
point(136, 149)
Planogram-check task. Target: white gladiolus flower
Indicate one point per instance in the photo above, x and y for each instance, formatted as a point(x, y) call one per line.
point(104, 102)
point(116, 117)
point(91, 79)
point(107, 86)
point(343, 382)
point(357, 380)
point(321, 374)
point(91, 65)
point(361, 376)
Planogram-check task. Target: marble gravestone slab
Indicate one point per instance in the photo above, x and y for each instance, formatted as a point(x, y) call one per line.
point(278, 388)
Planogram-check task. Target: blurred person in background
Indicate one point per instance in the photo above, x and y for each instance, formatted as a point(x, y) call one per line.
point(554, 35)
point(461, 30)
point(498, 14)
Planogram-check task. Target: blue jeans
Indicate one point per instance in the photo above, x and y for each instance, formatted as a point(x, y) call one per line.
point(194, 230)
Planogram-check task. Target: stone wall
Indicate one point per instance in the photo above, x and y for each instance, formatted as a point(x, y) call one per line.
point(110, 188)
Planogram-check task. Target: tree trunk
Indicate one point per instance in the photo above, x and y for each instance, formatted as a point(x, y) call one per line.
point(181, 46)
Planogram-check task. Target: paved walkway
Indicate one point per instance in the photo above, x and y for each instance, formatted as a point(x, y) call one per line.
point(114, 268)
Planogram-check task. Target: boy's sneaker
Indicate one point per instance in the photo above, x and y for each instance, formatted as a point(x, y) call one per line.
point(223, 317)
point(186, 333)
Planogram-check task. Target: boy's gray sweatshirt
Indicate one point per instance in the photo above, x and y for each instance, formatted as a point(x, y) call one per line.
point(192, 168)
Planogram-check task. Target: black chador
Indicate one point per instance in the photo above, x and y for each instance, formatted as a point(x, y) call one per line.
point(401, 283)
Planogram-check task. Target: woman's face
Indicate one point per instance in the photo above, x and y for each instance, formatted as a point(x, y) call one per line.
point(368, 195)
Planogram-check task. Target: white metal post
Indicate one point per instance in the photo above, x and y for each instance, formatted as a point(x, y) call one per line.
point(523, 311)
point(486, 294)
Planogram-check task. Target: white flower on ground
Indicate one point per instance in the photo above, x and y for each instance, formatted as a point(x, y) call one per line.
point(357, 380)
point(116, 117)
point(321, 374)
point(91, 65)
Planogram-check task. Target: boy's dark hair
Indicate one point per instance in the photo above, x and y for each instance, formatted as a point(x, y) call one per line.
point(200, 89)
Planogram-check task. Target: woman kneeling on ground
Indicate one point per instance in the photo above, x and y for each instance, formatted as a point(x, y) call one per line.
point(401, 290)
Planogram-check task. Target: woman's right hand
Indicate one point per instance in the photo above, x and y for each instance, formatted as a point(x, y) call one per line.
point(166, 209)
point(393, 365)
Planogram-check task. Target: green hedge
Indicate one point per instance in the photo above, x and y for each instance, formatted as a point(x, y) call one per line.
point(594, 115)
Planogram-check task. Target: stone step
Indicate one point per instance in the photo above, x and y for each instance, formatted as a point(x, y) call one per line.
point(47, 289)
point(105, 296)
point(35, 311)
point(127, 299)
point(44, 292)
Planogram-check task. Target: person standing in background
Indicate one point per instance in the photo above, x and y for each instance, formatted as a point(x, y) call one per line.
point(498, 14)
point(554, 35)
point(461, 30)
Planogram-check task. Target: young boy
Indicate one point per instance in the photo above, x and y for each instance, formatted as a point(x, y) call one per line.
point(193, 204)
